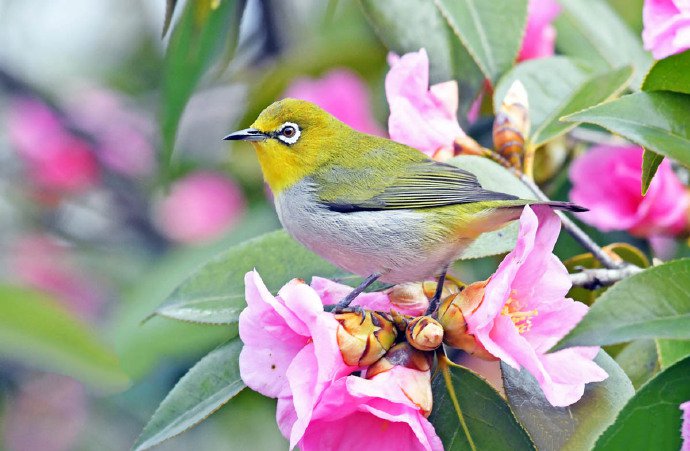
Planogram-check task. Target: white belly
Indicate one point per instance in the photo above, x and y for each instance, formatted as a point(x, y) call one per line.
point(394, 243)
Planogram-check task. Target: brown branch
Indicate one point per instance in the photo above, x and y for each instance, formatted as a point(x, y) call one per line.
point(592, 279)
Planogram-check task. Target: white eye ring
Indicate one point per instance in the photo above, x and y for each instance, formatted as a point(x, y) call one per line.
point(291, 139)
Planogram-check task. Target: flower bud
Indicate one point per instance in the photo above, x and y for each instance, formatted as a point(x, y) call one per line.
point(402, 354)
point(364, 337)
point(415, 296)
point(424, 333)
point(512, 124)
point(452, 311)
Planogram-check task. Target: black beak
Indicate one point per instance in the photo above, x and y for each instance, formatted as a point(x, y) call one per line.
point(248, 134)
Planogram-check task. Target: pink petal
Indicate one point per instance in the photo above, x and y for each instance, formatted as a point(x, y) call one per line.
point(666, 24)
point(420, 117)
point(540, 35)
point(685, 428)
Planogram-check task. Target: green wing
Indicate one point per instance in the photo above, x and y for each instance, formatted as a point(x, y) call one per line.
point(424, 184)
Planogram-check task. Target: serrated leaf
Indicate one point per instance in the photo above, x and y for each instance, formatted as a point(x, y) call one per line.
point(403, 31)
point(204, 31)
point(206, 387)
point(671, 351)
point(214, 294)
point(650, 163)
point(670, 74)
point(567, 428)
point(36, 330)
point(494, 177)
point(651, 304)
point(640, 361)
point(657, 121)
point(490, 422)
point(651, 419)
point(559, 86)
point(591, 30)
point(491, 31)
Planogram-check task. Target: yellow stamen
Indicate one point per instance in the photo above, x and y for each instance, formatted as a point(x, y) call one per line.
point(521, 319)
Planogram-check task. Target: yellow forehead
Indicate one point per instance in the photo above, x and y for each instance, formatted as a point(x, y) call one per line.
point(301, 112)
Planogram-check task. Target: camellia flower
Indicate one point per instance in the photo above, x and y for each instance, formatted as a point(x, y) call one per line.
point(666, 27)
point(607, 181)
point(685, 428)
point(373, 414)
point(342, 93)
point(290, 350)
point(200, 207)
point(524, 312)
point(421, 116)
point(56, 159)
point(540, 34)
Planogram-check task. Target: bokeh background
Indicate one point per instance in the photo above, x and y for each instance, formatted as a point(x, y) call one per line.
point(101, 229)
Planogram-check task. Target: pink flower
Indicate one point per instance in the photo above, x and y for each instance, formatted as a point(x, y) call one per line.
point(607, 181)
point(524, 312)
point(331, 293)
point(422, 117)
point(200, 207)
point(342, 93)
point(666, 27)
point(48, 413)
point(290, 350)
point(685, 428)
point(55, 158)
point(540, 34)
point(376, 414)
point(123, 135)
point(42, 263)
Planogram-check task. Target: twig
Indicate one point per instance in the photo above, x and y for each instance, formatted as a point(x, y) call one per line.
point(602, 277)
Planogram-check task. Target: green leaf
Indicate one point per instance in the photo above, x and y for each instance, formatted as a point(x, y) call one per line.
point(490, 424)
point(37, 331)
point(402, 31)
point(214, 294)
point(560, 86)
point(203, 32)
point(640, 361)
point(650, 163)
point(657, 121)
point(206, 387)
point(670, 74)
point(651, 304)
point(651, 419)
point(592, 31)
point(671, 351)
point(492, 176)
point(575, 427)
point(491, 31)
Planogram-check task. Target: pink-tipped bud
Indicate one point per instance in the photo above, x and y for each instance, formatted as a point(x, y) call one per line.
point(415, 296)
point(424, 333)
point(364, 337)
point(402, 354)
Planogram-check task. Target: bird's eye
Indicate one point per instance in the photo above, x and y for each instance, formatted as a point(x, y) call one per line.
point(289, 133)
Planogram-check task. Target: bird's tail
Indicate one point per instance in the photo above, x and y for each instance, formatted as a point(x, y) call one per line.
point(558, 205)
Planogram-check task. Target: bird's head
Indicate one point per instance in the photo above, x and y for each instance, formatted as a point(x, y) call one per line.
point(292, 139)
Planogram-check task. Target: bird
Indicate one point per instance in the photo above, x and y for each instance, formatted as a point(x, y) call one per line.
point(372, 206)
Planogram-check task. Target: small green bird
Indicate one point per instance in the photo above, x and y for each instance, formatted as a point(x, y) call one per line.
point(372, 206)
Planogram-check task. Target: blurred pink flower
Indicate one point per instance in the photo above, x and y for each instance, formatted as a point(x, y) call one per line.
point(666, 27)
point(200, 207)
point(123, 135)
point(607, 181)
point(56, 159)
point(421, 116)
point(48, 414)
point(332, 292)
point(524, 313)
point(373, 414)
point(540, 34)
point(342, 93)
point(290, 350)
point(42, 263)
point(685, 428)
